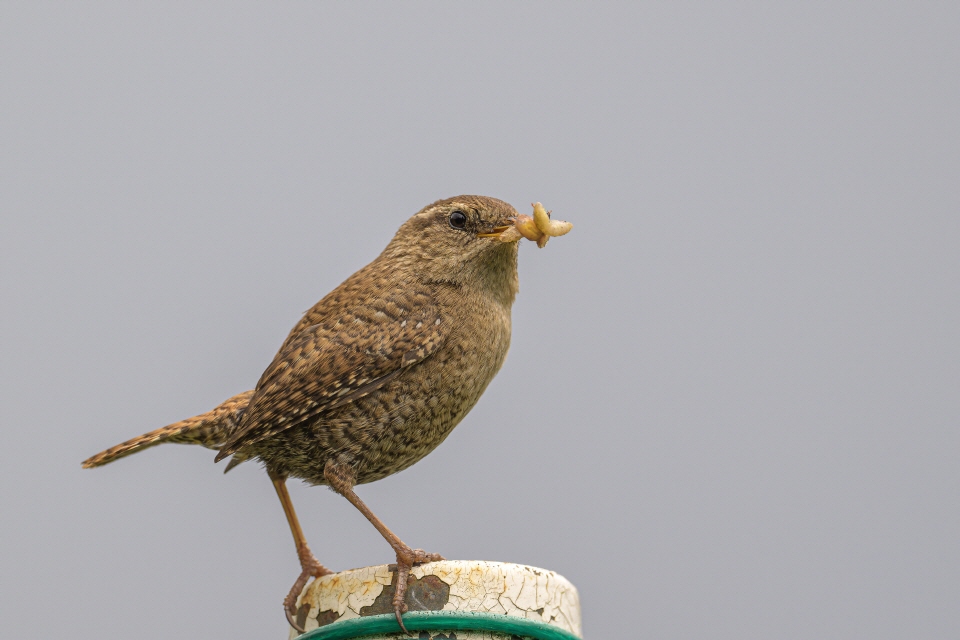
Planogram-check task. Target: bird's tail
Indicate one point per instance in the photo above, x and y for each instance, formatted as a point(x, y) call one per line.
point(208, 429)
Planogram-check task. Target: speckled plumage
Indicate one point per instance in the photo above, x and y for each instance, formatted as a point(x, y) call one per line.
point(379, 372)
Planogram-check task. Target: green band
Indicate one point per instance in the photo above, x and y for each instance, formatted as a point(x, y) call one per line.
point(439, 621)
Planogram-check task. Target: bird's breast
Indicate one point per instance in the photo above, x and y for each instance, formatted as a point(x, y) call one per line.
point(420, 408)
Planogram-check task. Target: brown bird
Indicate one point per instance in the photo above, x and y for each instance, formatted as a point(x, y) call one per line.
point(377, 373)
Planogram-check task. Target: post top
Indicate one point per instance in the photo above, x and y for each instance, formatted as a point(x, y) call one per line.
point(488, 589)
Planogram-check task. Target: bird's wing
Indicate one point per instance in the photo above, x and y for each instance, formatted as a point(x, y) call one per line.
point(330, 364)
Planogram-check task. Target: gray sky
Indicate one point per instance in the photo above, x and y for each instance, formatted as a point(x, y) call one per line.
point(731, 405)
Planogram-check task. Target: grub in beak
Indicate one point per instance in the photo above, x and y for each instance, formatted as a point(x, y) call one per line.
point(538, 228)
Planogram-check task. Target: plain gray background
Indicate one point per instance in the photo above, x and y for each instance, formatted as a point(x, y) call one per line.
point(731, 406)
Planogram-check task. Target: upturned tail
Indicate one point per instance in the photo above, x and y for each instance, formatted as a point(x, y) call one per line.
point(208, 429)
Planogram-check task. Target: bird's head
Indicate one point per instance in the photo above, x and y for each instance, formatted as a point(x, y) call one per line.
point(457, 240)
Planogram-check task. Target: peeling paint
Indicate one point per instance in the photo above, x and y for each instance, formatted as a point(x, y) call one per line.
point(450, 585)
point(423, 594)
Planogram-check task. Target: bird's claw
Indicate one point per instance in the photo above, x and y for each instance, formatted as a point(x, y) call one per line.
point(407, 558)
point(419, 556)
point(310, 568)
point(310, 564)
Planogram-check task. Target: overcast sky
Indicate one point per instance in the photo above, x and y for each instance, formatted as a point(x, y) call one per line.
point(731, 406)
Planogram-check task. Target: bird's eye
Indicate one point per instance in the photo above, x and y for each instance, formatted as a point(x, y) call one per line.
point(458, 220)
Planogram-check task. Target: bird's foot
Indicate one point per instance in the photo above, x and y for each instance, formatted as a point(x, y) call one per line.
point(309, 567)
point(406, 559)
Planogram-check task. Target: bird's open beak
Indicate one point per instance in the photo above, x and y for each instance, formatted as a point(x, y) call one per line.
point(496, 231)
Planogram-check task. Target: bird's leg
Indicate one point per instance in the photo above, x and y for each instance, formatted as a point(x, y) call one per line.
point(309, 565)
point(341, 480)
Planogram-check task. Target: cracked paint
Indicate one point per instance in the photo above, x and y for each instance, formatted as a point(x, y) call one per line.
point(492, 587)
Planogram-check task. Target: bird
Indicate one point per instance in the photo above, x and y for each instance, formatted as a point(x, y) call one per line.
point(375, 375)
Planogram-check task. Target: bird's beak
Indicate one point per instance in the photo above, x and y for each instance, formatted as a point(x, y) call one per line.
point(496, 231)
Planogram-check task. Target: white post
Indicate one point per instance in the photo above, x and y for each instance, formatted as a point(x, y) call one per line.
point(476, 600)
